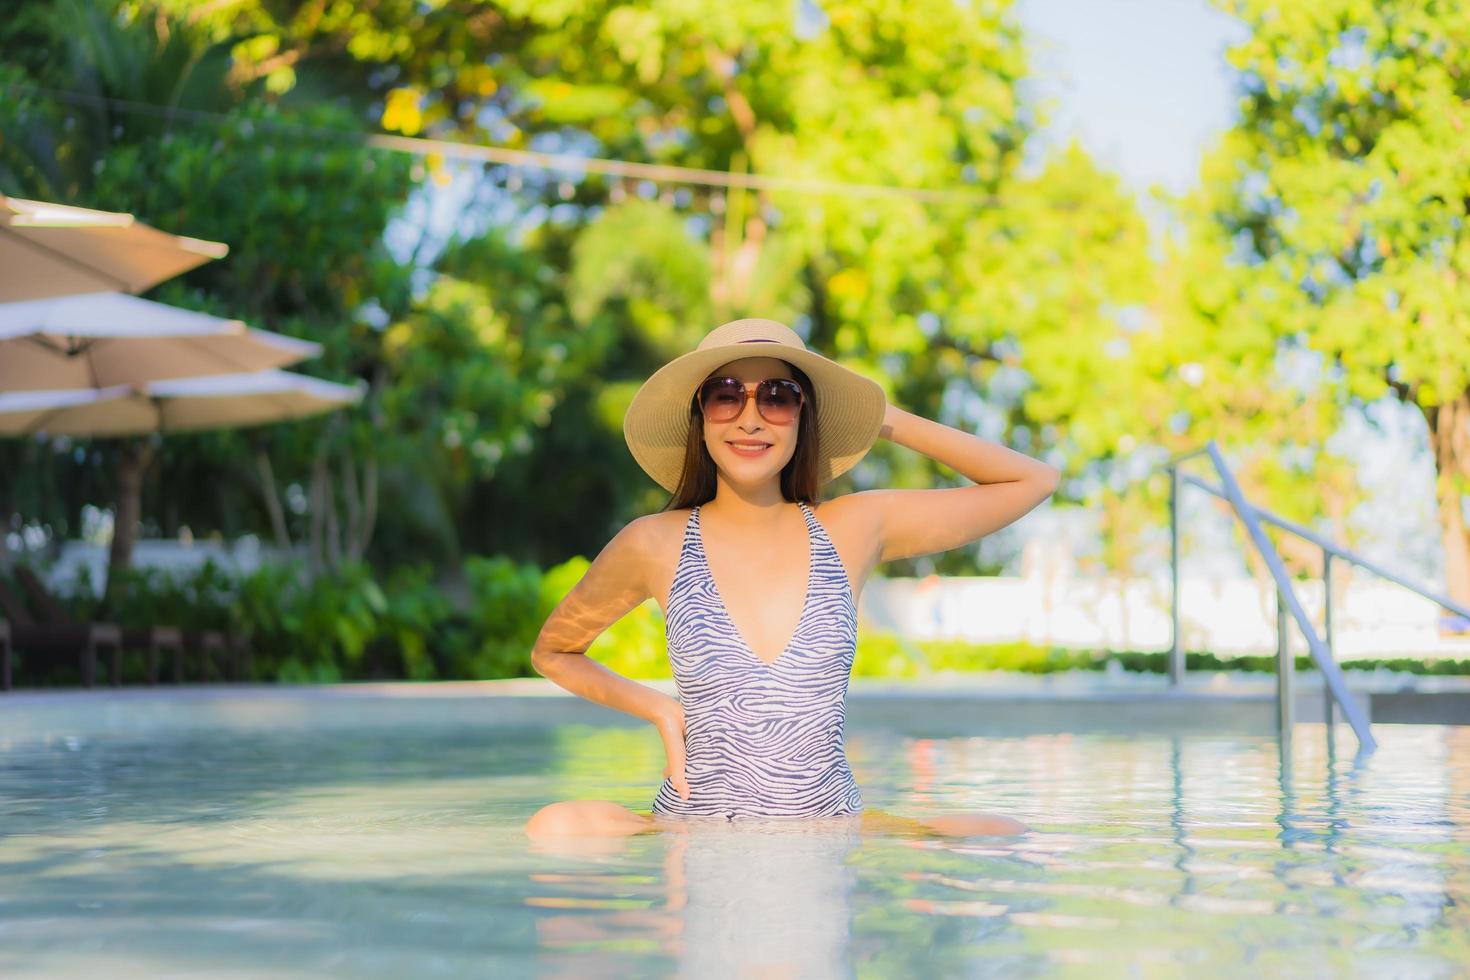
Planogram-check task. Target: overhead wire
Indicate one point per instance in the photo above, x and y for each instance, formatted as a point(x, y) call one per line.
point(541, 159)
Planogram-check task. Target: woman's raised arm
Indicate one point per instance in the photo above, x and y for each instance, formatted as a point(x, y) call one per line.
point(922, 522)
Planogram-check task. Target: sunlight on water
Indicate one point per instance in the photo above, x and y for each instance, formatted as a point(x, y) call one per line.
point(396, 850)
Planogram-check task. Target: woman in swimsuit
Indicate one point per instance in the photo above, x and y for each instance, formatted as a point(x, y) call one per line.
point(743, 551)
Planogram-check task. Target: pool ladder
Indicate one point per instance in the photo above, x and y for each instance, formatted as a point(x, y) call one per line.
point(1335, 689)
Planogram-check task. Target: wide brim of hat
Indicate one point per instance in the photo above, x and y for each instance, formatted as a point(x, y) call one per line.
point(850, 409)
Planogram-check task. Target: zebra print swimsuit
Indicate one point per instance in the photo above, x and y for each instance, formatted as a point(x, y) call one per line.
point(762, 740)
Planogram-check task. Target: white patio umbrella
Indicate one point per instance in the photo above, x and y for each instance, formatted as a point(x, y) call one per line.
point(55, 250)
point(179, 405)
point(98, 340)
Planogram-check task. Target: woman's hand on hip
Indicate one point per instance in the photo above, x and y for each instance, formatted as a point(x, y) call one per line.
point(670, 727)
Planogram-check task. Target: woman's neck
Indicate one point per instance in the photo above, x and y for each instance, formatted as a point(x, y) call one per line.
point(764, 508)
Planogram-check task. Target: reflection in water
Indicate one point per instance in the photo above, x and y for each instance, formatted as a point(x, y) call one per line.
point(1251, 863)
point(775, 900)
point(768, 898)
point(392, 851)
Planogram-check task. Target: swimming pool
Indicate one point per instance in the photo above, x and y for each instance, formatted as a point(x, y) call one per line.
point(268, 837)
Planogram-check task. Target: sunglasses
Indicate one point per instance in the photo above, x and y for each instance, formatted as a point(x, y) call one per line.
point(778, 400)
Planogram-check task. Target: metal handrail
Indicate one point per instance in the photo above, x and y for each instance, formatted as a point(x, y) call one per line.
point(1287, 602)
point(1340, 552)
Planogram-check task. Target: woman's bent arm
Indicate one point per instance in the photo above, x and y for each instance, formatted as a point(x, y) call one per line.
point(615, 583)
point(587, 678)
point(908, 523)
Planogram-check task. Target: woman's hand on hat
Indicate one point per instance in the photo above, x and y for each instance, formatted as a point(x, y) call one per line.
point(891, 414)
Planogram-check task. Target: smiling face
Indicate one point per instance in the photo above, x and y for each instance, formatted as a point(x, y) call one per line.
point(748, 449)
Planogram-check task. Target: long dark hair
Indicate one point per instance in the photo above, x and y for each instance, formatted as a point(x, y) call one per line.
point(799, 477)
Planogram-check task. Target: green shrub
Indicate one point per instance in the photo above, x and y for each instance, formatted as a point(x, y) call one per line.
point(964, 655)
point(417, 613)
point(506, 603)
point(347, 626)
point(882, 655)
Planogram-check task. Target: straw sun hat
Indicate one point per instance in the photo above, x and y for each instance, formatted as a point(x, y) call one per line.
point(850, 406)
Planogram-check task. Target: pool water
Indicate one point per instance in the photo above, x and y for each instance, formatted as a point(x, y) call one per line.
point(393, 848)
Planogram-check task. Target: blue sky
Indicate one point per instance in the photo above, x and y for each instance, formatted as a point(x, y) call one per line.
point(1143, 83)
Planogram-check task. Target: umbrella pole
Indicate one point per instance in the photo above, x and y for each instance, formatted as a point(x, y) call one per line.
point(133, 459)
point(11, 461)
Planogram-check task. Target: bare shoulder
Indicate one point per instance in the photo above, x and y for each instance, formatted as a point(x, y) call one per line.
point(854, 526)
point(854, 515)
point(661, 539)
point(624, 574)
point(658, 530)
point(649, 536)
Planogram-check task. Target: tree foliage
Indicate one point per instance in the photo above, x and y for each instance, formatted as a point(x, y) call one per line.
point(500, 364)
point(1336, 211)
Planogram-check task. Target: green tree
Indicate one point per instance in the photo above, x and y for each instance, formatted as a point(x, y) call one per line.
point(994, 292)
point(1342, 191)
point(935, 296)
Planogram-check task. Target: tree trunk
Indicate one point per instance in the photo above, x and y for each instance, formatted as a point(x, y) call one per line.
point(352, 500)
point(15, 458)
point(1449, 437)
point(267, 476)
point(360, 496)
point(744, 234)
point(133, 459)
point(369, 504)
point(318, 512)
point(333, 526)
point(7, 511)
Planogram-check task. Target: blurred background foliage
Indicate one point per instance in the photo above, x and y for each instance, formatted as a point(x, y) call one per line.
point(1319, 265)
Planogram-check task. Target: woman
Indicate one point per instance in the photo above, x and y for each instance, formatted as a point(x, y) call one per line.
point(743, 431)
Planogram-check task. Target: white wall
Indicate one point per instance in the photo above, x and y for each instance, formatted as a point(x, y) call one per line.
point(244, 555)
point(1372, 618)
point(1047, 605)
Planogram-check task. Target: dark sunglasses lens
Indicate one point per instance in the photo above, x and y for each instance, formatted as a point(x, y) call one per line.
point(778, 401)
point(721, 399)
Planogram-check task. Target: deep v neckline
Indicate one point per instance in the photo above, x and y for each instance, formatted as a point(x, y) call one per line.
point(806, 600)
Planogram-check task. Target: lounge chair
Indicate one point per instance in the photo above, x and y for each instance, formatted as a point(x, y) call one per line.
point(209, 647)
point(56, 640)
point(242, 665)
point(225, 653)
point(153, 639)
